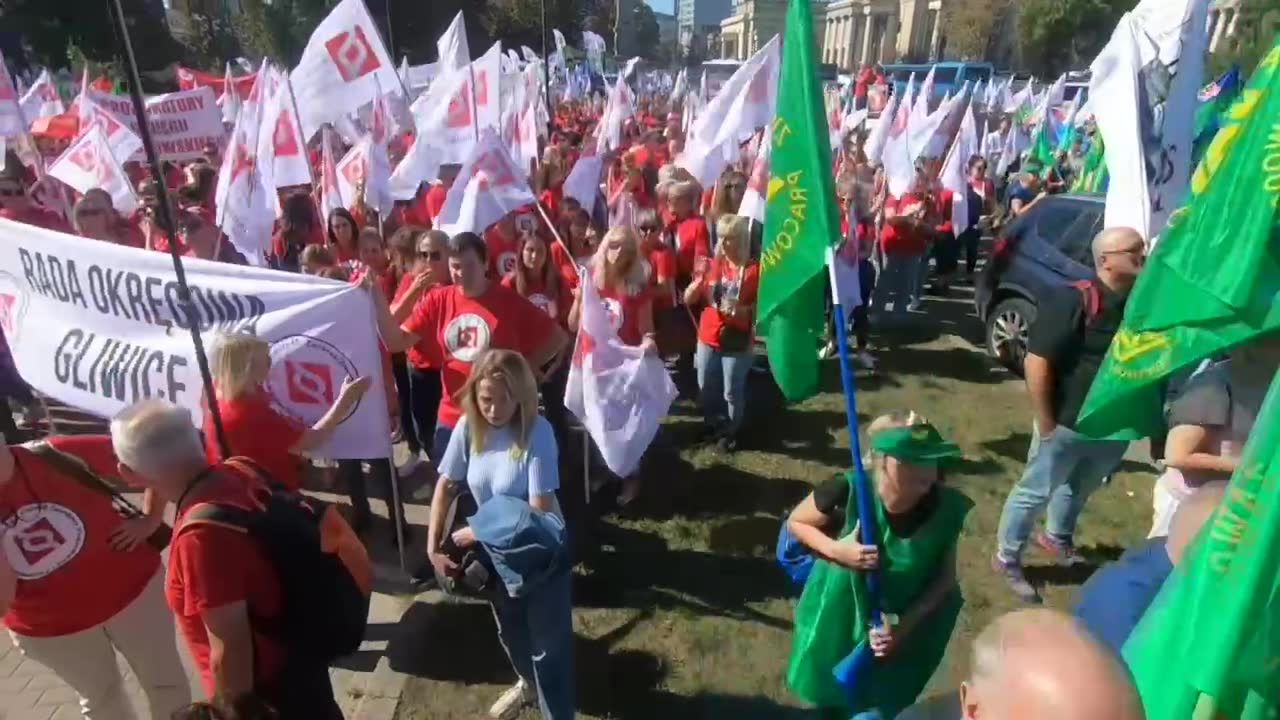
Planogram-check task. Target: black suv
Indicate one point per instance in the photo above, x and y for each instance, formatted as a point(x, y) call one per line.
point(1048, 246)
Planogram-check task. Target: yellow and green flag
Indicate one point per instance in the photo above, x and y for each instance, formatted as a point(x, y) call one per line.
point(1209, 646)
point(1213, 282)
point(801, 220)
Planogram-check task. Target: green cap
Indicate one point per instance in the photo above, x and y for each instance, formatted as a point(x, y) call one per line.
point(916, 444)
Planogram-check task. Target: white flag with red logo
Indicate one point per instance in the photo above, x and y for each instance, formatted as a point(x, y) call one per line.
point(125, 143)
point(245, 197)
point(11, 122)
point(619, 393)
point(489, 186)
point(229, 100)
point(524, 137)
point(281, 148)
point(88, 163)
point(339, 65)
point(955, 171)
point(362, 174)
point(442, 130)
point(899, 165)
point(756, 196)
point(42, 99)
point(621, 107)
point(745, 103)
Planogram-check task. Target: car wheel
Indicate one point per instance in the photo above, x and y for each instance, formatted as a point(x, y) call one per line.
point(1008, 325)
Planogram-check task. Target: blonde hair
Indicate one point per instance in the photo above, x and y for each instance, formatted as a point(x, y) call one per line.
point(731, 229)
point(889, 421)
point(634, 276)
point(231, 363)
point(510, 369)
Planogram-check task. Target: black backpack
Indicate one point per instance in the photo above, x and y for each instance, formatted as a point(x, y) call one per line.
point(324, 583)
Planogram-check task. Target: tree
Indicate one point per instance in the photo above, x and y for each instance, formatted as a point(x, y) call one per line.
point(972, 27)
point(601, 18)
point(1060, 35)
point(648, 37)
point(50, 28)
point(519, 22)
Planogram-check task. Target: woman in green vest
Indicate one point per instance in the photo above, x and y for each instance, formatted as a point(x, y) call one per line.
point(918, 521)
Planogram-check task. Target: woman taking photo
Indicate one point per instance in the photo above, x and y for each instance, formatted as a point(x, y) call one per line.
point(727, 286)
point(241, 365)
point(430, 269)
point(621, 276)
point(918, 521)
point(502, 448)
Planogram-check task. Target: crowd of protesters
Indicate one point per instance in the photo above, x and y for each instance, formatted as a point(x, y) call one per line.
point(476, 333)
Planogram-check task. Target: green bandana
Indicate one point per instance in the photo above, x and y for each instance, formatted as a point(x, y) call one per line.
point(916, 444)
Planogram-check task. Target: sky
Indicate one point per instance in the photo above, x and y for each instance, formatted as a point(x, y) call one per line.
point(663, 6)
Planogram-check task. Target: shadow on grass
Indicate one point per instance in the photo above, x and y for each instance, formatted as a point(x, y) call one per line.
point(1013, 446)
point(960, 364)
point(1097, 555)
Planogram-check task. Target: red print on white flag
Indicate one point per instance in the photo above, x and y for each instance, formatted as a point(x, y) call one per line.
point(352, 54)
point(488, 187)
point(88, 163)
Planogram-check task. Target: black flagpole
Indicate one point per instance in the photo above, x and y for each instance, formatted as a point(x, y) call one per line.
point(546, 73)
point(166, 219)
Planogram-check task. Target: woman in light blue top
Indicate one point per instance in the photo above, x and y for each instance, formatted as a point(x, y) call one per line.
point(502, 448)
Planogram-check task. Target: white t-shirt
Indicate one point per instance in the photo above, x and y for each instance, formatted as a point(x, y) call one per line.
point(495, 471)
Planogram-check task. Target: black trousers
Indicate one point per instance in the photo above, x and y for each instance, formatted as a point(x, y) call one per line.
point(424, 400)
point(404, 393)
point(352, 475)
point(303, 691)
point(969, 242)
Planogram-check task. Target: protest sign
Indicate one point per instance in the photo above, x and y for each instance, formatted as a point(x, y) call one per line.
point(99, 326)
point(182, 123)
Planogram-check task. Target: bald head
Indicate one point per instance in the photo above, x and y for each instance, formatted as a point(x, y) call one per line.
point(1190, 517)
point(1117, 239)
point(1043, 664)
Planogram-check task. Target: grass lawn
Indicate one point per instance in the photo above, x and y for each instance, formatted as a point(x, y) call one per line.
point(683, 612)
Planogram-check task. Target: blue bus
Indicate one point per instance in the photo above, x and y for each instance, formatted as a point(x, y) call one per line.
point(948, 77)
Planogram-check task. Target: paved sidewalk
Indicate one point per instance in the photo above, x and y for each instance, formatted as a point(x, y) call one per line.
point(365, 685)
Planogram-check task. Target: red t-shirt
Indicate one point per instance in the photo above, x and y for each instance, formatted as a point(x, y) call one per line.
point(692, 242)
point(662, 266)
point(37, 216)
point(903, 240)
point(569, 267)
point(550, 200)
point(434, 200)
point(211, 567)
point(504, 252)
point(625, 312)
point(455, 328)
point(258, 431)
point(727, 281)
point(555, 303)
point(56, 540)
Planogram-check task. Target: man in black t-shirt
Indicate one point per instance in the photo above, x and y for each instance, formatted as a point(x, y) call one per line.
point(1073, 328)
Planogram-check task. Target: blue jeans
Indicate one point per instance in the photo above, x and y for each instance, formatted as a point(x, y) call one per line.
point(898, 283)
point(1062, 472)
point(537, 632)
point(722, 378)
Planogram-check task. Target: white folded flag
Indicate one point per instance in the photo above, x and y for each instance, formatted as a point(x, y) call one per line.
point(229, 101)
point(244, 196)
point(874, 147)
point(583, 182)
point(1143, 94)
point(364, 167)
point(443, 131)
point(529, 55)
point(920, 109)
point(756, 197)
point(330, 190)
point(341, 66)
point(125, 143)
point(955, 171)
point(620, 108)
point(745, 103)
point(899, 165)
point(88, 163)
point(12, 123)
point(42, 99)
point(488, 186)
point(619, 393)
point(282, 152)
point(452, 47)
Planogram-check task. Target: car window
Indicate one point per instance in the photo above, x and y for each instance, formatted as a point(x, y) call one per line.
point(1076, 242)
point(1052, 218)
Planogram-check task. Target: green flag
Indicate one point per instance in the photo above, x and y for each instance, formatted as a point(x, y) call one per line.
point(801, 220)
point(1093, 176)
point(1042, 148)
point(1207, 646)
point(1213, 281)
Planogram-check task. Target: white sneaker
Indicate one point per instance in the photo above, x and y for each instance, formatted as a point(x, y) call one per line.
point(511, 702)
point(866, 360)
point(828, 351)
point(410, 466)
point(913, 306)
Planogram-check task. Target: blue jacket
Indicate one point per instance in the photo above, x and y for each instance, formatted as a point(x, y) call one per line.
point(526, 546)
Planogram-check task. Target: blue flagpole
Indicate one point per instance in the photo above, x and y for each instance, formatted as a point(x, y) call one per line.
point(852, 669)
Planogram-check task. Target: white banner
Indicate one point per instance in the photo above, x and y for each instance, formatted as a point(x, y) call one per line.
point(182, 123)
point(97, 326)
point(87, 163)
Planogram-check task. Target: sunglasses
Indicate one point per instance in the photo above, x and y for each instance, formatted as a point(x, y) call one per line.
point(11, 192)
point(649, 228)
point(430, 255)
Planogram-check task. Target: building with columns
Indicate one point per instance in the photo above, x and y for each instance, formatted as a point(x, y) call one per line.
point(850, 32)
